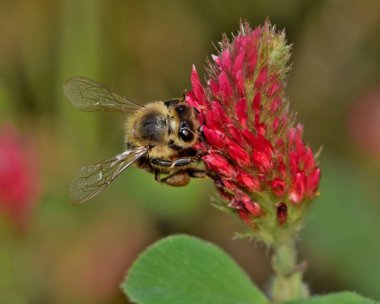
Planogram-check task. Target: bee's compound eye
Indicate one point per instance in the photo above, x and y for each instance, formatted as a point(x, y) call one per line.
point(186, 135)
point(180, 109)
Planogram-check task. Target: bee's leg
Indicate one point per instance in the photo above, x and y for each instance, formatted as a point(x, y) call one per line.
point(157, 175)
point(161, 162)
point(178, 179)
point(197, 173)
point(179, 162)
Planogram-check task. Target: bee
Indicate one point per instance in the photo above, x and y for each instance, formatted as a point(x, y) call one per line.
point(159, 136)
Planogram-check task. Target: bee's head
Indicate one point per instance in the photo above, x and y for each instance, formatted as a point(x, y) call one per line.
point(184, 125)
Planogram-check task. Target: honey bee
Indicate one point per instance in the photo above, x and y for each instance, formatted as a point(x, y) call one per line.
point(159, 138)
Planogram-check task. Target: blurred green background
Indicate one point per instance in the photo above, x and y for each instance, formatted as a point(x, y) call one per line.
point(54, 252)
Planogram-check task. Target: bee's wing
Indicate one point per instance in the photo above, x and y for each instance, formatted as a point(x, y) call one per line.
point(93, 179)
point(89, 95)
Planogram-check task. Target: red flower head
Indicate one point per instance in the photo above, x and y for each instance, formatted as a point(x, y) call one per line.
point(18, 178)
point(258, 159)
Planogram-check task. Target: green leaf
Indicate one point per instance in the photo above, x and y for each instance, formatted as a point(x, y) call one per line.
point(184, 269)
point(336, 298)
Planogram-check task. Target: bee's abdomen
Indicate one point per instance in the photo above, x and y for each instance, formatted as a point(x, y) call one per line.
point(152, 127)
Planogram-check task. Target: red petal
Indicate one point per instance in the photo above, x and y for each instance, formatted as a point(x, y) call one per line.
point(224, 86)
point(298, 189)
point(262, 161)
point(292, 136)
point(226, 63)
point(248, 181)
point(192, 100)
point(227, 184)
point(239, 78)
point(214, 87)
point(214, 137)
point(262, 79)
point(235, 134)
point(211, 120)
point(281, 168)
point(216, 59)
point(275, 125)
point(220, 113)
point(241, 111)
point(279, 143)
point(313, 182)
point(273, 89)
point(239, 60)
point(309, 162)
point(256, 103)
point(278, 187)
point(251, 52)
point(238, 154)
point(216, 117)
point(244, 216)
point(218, 163)
point(197, 87)
point(275, 105)
point(252, 207)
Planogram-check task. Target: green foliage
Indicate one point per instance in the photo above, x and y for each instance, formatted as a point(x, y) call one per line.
point(180, 204)
point(183, 269)
point(4, 101)
point(342, 229)
point(337, 298)
point(79, 55)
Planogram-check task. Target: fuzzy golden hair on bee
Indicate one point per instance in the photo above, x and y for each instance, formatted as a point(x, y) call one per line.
point(148, 125)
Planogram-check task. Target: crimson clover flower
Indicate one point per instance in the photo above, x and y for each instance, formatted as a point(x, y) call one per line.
point(256, 155)
point(19, 182)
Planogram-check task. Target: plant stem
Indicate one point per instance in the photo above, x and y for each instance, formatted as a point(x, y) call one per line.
point(287, 283)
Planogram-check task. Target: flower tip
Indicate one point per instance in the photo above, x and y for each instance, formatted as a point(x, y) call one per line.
point(215, 58)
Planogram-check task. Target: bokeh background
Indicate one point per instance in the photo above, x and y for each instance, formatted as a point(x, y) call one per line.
point(54, 252)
